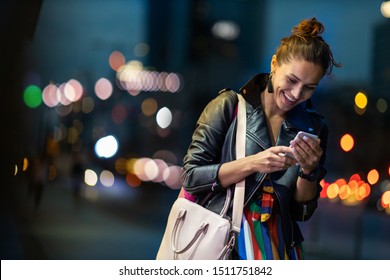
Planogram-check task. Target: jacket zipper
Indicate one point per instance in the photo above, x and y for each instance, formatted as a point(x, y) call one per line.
point(304, 214)
point(212, 186)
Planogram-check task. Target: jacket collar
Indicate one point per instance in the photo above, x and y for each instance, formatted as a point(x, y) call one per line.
point(298, 119)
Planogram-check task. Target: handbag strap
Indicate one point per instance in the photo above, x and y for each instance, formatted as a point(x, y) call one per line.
point(238, 202)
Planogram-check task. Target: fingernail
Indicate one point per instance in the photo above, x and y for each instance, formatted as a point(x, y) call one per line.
point(305, 138)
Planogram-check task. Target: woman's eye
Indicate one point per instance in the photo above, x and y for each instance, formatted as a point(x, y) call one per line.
point(291, 80)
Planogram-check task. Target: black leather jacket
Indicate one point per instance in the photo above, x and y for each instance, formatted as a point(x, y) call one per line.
point(213, 143)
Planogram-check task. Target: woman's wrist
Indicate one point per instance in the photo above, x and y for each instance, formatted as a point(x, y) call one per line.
point(310, 175)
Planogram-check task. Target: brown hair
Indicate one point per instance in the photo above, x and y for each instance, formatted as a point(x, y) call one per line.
point(307, 43)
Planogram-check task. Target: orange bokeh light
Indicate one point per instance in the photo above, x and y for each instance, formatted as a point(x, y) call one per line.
point(132, 180)
point(344, 192)
point(373, 176)
point(340, 182)
point(347, 142)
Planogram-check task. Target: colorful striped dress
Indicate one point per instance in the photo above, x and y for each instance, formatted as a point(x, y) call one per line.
point(261, 236)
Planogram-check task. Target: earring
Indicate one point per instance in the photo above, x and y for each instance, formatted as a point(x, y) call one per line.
point(270, 85)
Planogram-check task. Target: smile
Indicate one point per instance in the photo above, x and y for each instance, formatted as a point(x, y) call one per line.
point(289, 98)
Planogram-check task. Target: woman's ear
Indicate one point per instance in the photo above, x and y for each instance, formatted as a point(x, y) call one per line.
point(274, 63)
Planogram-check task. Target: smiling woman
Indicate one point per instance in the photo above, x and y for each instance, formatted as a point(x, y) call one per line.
point(279, 190)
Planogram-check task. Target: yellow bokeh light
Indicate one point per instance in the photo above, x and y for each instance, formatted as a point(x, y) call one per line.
point(120, 166)
point(149, 107)
point(373, 177)
point(361, 100)
point(347, 142)
point(332, 191)
point(25, 164)
point(385, 9)
point(385, 199)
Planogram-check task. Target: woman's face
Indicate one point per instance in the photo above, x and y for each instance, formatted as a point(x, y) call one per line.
point(294, 82)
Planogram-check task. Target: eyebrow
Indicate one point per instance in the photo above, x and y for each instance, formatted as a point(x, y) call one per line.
point(311, 84)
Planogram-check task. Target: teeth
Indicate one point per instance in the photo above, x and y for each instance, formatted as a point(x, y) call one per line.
point(289, 98)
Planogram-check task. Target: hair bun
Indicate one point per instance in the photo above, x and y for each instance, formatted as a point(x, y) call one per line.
point(308, 28)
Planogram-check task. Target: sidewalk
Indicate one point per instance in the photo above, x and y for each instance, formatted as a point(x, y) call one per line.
point(100, 227)
point(123, 223)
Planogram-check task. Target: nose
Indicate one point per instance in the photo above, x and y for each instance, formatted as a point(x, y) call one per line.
point(297, 92)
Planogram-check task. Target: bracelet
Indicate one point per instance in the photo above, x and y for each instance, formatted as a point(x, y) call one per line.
point(312, 176)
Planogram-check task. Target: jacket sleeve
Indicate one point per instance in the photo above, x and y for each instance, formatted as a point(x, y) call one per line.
point(304, 211)
point(202, 161)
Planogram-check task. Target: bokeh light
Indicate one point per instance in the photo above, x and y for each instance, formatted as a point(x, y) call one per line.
point(141, 49)
point(332, 191)
point(116, 60)
point(106, 147)
point(103, 88)
point(151, 170)
point(149, 106)
point(385, 199)
point(347, 142)
point(32, 96)
point(73, 90)
point(227, 30)
point(25, 164)
point(87, 105)
point(133, 78)
point(381, 105)
point(107, 178)
point(172, 176)
point(361, 100)
point(132, 180)
point(164, 117)
point(385, 9)
point(360, 103)
point(49, 95)
point(90, 177)
point(373, 176)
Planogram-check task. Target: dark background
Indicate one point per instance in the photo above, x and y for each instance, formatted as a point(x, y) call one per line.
point(53, 41)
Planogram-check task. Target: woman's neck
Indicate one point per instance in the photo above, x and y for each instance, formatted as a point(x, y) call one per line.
point(273, 115)
point(270, 107)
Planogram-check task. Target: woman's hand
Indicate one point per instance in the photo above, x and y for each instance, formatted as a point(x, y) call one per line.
point(307, 153)
point(273, 159)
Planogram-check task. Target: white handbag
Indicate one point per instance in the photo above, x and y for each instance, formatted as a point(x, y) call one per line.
point(196, 233)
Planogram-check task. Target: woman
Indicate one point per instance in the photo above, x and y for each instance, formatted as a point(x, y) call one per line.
point(282, 172)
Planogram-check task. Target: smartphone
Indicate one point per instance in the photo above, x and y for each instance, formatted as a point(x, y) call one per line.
point(307, 134)
point(300, 135)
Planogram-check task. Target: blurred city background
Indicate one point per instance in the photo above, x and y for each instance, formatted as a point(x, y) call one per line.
point(100, 98)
